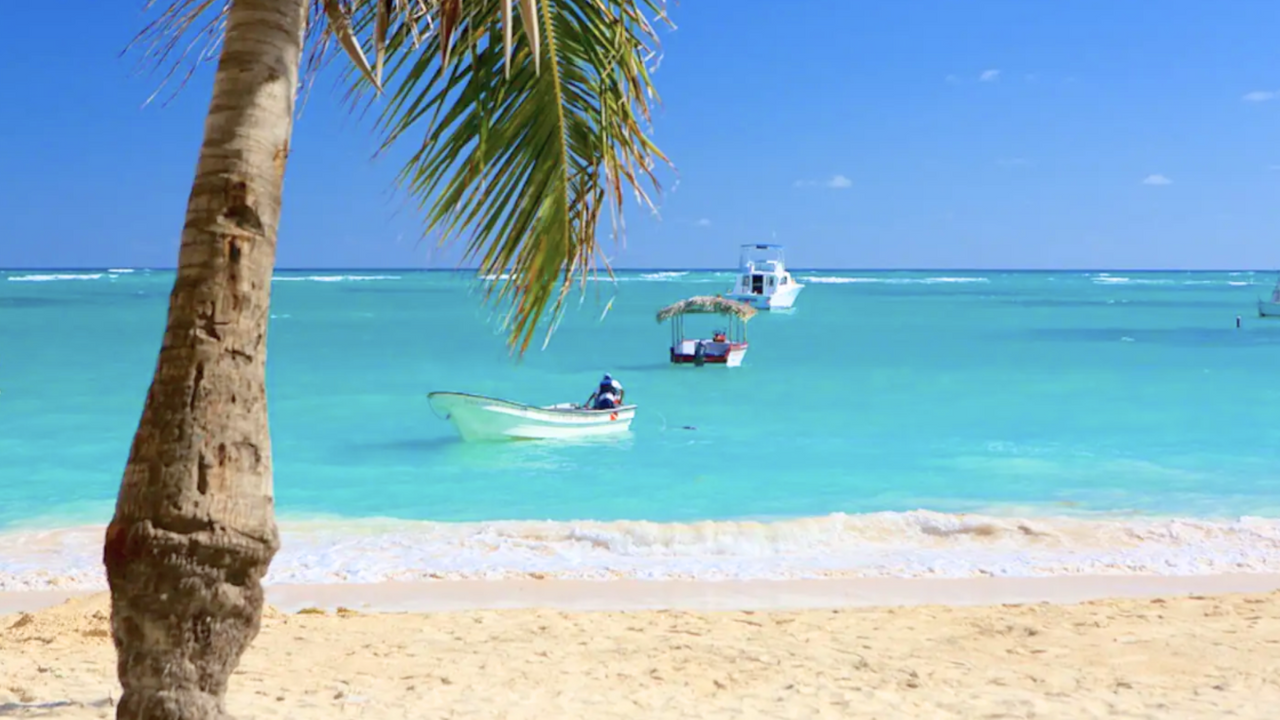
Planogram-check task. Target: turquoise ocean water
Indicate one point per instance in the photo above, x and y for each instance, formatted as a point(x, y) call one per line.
point(935, 422)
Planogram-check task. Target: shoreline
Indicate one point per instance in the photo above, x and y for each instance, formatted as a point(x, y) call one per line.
point(918, 544)
point(711, 596)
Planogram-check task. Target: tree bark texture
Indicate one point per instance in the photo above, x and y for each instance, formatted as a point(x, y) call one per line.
point(194, 529)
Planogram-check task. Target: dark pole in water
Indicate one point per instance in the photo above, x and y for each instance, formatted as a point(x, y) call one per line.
point(1237, 321)
point(699, 354)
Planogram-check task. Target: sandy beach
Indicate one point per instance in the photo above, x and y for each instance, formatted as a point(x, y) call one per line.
point(1178, 656)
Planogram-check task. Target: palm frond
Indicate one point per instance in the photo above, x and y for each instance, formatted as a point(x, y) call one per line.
point(340, 26)
point(525, 144)
point(180, 21)
point(171, 38)
point(520, 158)
point(707, 305)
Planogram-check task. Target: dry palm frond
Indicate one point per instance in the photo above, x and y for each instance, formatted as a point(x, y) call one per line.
point(708, 304)
point(196, 22)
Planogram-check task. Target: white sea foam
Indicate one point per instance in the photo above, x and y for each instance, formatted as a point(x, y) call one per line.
point(1218, 283)
point(912, 544)
point(333, 278)
point(120, 271)
point(682, 276)
point(844, 280)
point(1105, 279)
point(55, 277)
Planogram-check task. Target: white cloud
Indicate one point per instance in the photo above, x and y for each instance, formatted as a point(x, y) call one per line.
point(704, 222)
point(835, 182)
point(1261, 96)
point(952, 80)
point(989, 75)
point(1156, 179)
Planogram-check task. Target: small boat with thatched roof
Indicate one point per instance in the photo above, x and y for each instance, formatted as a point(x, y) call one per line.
point(725, 347)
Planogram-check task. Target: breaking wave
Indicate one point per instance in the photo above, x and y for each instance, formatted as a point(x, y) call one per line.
point(844, 280)
point(910, 544)
point(1105, 279)
point(55, 277)
point(681, 276)
point(332, 278)
point(1109, 279)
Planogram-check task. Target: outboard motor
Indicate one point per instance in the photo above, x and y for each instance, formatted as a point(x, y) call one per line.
point(700, 354)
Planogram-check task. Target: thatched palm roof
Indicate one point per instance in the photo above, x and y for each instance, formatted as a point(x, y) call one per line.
point(707, 304)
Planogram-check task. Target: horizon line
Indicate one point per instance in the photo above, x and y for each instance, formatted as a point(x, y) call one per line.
point(684, 269)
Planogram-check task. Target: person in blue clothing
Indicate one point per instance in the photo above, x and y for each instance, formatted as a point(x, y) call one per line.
point(607, 396)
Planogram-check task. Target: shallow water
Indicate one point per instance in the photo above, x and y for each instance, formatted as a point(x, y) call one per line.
point(1105, 397)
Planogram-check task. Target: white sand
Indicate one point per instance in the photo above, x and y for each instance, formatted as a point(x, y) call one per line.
point(1177, 657)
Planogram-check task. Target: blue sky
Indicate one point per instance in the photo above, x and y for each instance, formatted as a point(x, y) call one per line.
point(921, 134)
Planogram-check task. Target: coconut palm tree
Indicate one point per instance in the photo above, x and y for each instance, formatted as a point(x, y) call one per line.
point(525, 143)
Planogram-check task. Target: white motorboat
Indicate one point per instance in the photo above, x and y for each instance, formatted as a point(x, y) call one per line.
point(480, 418)
point(1270, 308)
point(763, 280)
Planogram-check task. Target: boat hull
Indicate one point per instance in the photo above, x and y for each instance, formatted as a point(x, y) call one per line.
point(481, 419)
point(783, 299)
point(726, 354)
point(1268, 309)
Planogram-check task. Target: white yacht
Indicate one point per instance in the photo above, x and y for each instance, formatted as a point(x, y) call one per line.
point(1270, 308)
point(763, 281)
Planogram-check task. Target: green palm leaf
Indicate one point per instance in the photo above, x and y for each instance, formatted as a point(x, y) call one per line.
point(524, 143)
point(521, 158)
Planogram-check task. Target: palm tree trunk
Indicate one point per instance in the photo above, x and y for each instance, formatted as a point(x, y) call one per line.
point(194, 531)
